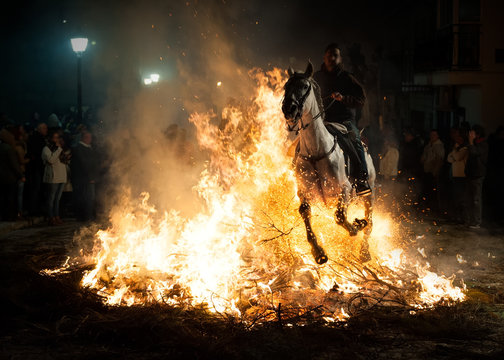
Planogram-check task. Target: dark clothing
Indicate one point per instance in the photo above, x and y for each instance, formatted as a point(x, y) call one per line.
point(347, 85)
point(475, 170)
point(341, 81)
point(476, 165)
point(10, 174)
point(84, 167)
point(84, 164)
point(35, 172)
point(9, 165)
point(36, 143)
point(474, 191)
point(409, 158)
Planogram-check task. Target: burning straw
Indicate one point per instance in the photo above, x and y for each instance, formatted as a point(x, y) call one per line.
point(245, 253)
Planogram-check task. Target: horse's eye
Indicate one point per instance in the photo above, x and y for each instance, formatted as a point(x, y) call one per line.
point(306, 87)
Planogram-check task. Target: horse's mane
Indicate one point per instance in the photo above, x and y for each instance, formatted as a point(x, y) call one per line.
point(318, 97)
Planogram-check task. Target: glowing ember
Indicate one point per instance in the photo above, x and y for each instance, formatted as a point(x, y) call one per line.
point(247, 250)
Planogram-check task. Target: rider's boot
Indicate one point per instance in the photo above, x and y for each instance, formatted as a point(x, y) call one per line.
point(362, 187)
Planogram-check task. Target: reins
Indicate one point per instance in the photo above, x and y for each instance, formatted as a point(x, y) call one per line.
point(301, 103)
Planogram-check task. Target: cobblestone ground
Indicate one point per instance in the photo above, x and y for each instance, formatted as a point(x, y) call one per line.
point(44, 318)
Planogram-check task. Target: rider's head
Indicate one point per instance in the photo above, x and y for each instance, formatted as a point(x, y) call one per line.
point(332, 57)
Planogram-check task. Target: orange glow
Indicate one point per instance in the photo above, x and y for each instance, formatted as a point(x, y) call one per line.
point(247, 249)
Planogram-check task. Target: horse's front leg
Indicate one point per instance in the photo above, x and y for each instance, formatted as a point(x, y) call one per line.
point(317, 251)
point(341, 214)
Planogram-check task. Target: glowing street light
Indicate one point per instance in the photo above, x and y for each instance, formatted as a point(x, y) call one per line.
point(154, 77)
point(79, 45)
point(147, 81)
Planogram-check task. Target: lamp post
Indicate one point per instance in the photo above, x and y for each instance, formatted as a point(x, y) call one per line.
point(79, 45)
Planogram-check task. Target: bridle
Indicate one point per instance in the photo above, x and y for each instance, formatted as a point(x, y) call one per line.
point(298, 119)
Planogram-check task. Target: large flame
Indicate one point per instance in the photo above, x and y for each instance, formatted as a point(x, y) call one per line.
point(247, 249)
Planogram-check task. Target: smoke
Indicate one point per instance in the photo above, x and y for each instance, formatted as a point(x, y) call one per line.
point(151, 144)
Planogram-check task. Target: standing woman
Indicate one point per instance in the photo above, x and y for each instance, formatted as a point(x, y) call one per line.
point(55, 177)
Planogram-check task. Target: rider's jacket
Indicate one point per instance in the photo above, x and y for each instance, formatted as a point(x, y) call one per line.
point(347, 85)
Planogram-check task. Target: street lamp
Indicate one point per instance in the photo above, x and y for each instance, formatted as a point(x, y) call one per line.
point(79, 45)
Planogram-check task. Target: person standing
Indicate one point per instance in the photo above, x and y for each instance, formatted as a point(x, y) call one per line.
point(389, 161)
point(21, 150)
point(84, 175)
point(55, 177)
point(35, 168)
point(475, 171)
point(10, 175)
point(458, 159)
point(432, 160)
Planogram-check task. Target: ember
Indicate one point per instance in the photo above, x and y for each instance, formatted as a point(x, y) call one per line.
point(246, 253)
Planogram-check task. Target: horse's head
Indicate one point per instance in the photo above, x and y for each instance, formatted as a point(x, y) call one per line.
point(297, 89)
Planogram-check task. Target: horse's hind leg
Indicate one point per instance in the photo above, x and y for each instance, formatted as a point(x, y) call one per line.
point(365, 255)
point(317, 251)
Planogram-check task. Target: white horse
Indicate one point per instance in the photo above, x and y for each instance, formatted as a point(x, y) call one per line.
point(320, 162)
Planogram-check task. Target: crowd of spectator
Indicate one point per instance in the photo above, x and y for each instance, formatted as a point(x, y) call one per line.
point(38, 166)
point(457, 178)
point(47, 169)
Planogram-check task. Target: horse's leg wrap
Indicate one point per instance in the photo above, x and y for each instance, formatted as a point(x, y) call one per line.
point(317, 251)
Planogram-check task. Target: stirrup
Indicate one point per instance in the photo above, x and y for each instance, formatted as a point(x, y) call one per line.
point(362, 188)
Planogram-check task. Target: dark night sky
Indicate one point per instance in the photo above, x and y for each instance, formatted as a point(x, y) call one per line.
point(40, 67)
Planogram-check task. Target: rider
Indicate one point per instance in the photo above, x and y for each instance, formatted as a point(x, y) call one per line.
point(342, 95)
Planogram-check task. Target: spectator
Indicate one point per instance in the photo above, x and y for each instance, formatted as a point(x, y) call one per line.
point(495, 173)
point(53, 122)
point(410, 167)
point(84, 175)
point(66, 155)
point(475, 171)
point(55, 177)
point(410, 153)
point(389, 161)
point(35, 168)
point(10, 175)
point(21, 150)
point(432, 160)
point(458, 158)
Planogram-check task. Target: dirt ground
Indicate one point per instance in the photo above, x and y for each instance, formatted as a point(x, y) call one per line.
point(48, 318)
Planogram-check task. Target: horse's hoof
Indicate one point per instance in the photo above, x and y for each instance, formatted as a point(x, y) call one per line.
point(320, 256)
point(322, 259)
point(359, 224)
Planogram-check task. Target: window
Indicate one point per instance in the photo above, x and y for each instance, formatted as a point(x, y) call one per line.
point(445, 12)
point(469, 10)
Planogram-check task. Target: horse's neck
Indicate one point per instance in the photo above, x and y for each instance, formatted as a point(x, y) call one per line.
point(315, 139)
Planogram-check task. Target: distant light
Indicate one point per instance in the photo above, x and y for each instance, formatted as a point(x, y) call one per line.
point(154, 77)
point(79, 45)
point(219, 83)
point(64, 21)
point(93, 42)
point(385, 98)
point(147, 81)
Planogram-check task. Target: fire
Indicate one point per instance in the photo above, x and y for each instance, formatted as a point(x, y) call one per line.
point(246, 250)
